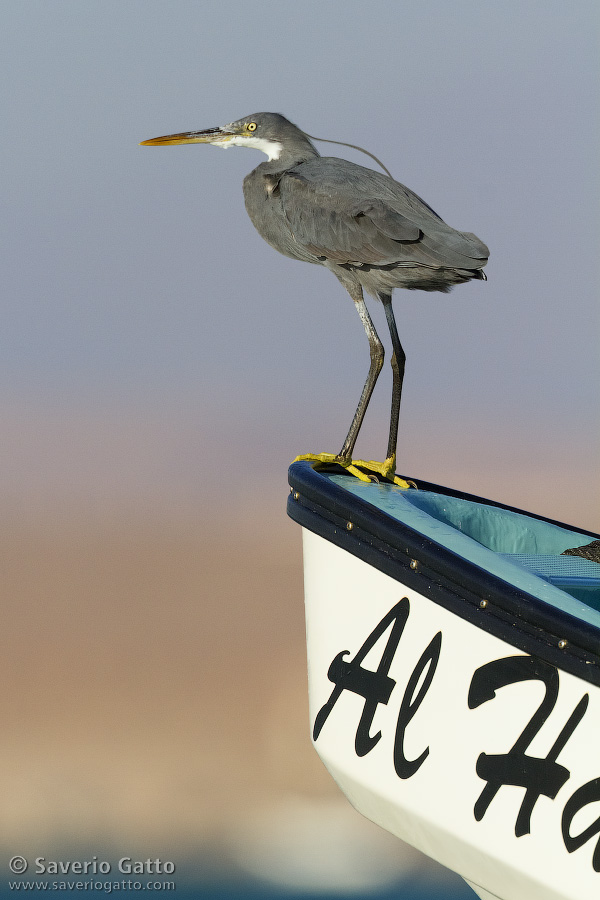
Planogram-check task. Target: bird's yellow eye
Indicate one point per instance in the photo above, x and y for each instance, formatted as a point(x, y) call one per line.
point(251, 126)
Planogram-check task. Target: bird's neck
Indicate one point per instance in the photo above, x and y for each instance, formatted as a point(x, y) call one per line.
point(300, 151)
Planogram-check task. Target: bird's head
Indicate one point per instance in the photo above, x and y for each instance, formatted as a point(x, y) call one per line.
point(269, 132)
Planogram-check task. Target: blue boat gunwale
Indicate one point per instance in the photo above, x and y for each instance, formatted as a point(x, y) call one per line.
point(449, 580)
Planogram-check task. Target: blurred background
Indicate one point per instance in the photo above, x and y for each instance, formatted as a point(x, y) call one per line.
point(160, 367)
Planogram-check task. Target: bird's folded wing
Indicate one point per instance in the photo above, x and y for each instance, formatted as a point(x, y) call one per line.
point(342, 228)
point(334, 222)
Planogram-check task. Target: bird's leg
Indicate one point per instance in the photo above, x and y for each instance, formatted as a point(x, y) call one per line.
point(398, 364)
point(344, 457)
point(377, 356)
point(388, 468)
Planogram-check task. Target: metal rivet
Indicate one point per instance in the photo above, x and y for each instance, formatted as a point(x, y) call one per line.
point(296, 495)
point(562, 644)
point(349, 526)
point(483, 604)
point(413, 563)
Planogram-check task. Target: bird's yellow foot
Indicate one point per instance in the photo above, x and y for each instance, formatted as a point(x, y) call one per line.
point(387, 469)
point(354, 466)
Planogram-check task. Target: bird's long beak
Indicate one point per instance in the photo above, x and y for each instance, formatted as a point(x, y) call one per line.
point(210, 136)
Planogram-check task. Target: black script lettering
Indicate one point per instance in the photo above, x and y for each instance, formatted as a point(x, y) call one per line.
point(587, 793)
point(406, 767)
point(375, 687)
point(538, 776)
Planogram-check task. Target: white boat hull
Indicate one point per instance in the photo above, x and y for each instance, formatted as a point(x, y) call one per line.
point(480, 755)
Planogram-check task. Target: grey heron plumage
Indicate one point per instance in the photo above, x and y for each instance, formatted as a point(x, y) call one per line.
point(372, 232)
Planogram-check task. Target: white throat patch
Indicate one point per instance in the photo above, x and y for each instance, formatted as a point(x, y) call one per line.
point(271, 148)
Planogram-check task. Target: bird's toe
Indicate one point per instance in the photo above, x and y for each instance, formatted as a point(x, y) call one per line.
point(386, 469)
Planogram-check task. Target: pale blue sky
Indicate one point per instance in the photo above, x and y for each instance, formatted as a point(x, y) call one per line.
point(139, 302)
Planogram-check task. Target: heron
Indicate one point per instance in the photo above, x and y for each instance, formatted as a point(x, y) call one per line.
point(372, 232)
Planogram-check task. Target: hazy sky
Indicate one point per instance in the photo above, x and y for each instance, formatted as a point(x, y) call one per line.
point(145, 323)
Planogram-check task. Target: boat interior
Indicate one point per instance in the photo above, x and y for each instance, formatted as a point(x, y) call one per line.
point(523, 550)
